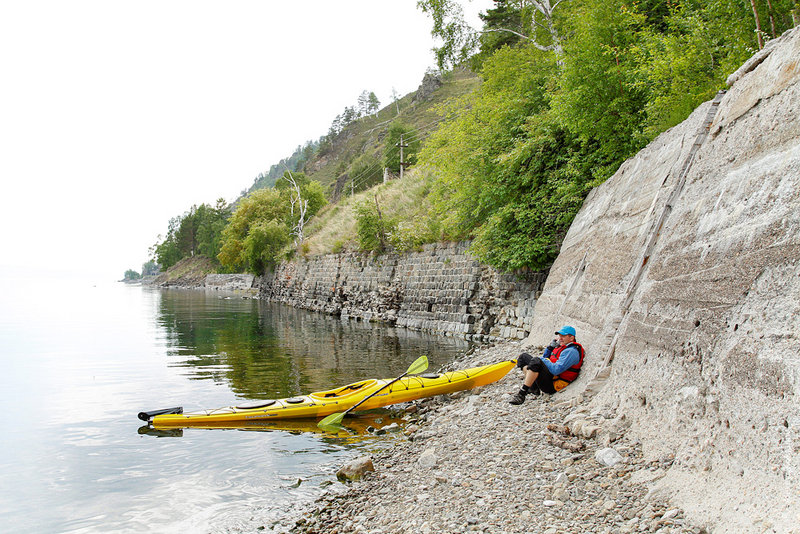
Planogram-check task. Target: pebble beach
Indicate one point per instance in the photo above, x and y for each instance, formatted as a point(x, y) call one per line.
point(471, 462)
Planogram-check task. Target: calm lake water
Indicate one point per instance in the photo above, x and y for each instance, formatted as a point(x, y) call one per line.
point(81, 359)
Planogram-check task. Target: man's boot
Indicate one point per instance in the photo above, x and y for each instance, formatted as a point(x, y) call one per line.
point(518, 397)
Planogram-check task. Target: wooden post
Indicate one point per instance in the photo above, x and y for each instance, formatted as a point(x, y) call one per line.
point(401, 156)
point(402, 162)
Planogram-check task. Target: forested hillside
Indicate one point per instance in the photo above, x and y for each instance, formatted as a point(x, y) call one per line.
point(559, 95)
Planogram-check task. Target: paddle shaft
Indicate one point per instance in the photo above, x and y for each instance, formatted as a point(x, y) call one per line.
point(359, 403)
point(419, 365)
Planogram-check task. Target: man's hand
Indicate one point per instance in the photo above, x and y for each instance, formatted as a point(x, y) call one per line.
point(553, 344)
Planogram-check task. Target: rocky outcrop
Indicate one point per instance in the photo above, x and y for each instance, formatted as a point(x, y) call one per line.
point(189, 273)
point(441, 289)
point(682, 272)
point(430, 83)
point(245, 283)
point(198, 273)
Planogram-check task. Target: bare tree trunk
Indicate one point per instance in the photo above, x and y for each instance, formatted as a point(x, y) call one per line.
point(543, 7)
point(758, 25)
point(302, 205)
point(772, 18)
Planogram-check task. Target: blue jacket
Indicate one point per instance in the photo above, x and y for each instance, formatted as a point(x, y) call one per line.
point(569, 356)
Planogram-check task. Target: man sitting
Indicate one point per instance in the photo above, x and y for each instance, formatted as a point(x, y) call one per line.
point(556, 369)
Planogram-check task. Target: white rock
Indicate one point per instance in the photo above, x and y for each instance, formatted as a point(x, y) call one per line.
point(671, 514)
point(560, 494)
point(589, 431)
point(608, 457)
point(428, 459)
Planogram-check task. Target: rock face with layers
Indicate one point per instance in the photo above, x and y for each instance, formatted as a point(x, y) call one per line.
point(683, 272)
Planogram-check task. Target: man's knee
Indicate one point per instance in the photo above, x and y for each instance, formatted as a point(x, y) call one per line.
point(524, 360)
point(537, 365)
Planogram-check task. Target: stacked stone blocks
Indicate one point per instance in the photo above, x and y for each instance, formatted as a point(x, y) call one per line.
point(441, 289)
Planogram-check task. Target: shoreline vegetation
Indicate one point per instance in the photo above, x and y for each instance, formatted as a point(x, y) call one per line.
point(499, 146)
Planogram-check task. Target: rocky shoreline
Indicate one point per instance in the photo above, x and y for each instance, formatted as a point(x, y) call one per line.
point(471, 462)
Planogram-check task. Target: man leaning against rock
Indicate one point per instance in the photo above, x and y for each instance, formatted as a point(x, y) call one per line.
point(556, 369)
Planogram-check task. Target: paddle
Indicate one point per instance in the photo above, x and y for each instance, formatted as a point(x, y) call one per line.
point(419, 365)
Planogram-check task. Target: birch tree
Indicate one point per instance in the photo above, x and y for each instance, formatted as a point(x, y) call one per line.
point(298, 203)
point(459, 39)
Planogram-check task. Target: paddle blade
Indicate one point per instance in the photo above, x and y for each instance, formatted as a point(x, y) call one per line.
point(331, 420)
point(419, 365)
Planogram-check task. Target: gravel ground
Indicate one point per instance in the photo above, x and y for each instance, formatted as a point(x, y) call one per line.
point(471, 462)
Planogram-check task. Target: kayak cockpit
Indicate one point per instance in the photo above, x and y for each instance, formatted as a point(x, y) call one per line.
point(354, 389)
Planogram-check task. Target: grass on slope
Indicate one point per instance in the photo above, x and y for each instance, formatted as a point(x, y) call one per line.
point(365, 136)
point(333, 229)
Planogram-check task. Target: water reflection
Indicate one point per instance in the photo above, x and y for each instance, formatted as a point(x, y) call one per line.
point(263, 350)
point(81, 361)
point(353, 429)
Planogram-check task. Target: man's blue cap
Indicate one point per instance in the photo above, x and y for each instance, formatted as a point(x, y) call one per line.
point(566, 331)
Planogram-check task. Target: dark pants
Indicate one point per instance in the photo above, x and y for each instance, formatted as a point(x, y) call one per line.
point(545, 379)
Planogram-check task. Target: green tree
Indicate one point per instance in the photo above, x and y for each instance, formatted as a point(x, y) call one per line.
point(263, 223)
point(685, 58)
point(150, 268)
point(368, 103)
point(532, 21)
point(391, 154)
point(372, 227)
point(262, 246)
point(260, 212)
point(504, 15)
point(210, 222)
point(365, 171)
point(131, 275)
point(468, 152)
point(166, 252)
point(197, 231)
point(599, 94)
point(373, 104)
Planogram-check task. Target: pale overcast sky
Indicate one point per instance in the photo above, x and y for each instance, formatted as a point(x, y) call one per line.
point(116, 116)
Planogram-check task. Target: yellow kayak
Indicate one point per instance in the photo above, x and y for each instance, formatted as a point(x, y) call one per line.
point(322, 403)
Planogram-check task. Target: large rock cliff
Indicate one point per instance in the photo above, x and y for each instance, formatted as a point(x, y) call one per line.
point(682, 276)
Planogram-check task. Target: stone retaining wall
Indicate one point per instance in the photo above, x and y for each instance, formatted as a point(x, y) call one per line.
point(441, 289)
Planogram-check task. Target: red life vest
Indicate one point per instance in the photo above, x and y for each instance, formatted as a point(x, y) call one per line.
point(572, 373)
